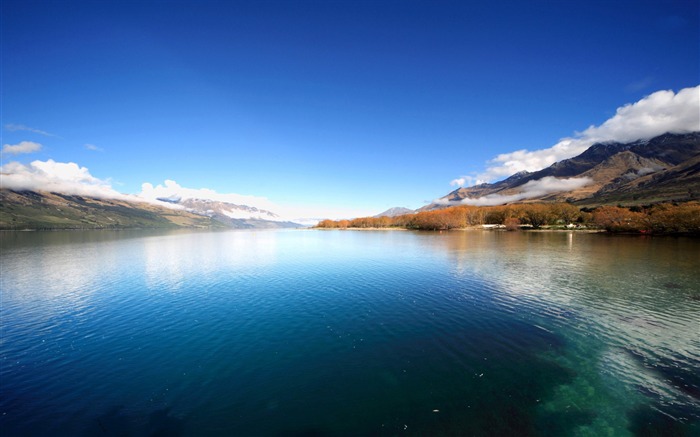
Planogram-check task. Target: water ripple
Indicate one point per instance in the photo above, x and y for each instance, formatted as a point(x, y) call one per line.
point(350, 333)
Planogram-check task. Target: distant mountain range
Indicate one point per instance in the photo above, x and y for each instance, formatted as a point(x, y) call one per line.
point(664, 168)
point(41, 210)
point(394, 212)
point(236, 216)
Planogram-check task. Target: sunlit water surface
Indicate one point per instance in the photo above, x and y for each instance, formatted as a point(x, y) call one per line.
point(349, 333)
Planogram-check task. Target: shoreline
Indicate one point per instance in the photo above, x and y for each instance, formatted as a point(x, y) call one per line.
point(468, 228)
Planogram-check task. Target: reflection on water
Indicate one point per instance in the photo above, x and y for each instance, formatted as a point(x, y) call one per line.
point(639, 295)
point(349, 333)
point(166, 266)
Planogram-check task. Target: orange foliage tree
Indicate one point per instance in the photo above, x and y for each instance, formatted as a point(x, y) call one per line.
point(661, 218)
point(616, 219)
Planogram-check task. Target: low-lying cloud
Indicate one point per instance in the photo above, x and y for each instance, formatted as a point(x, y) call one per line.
point(70, 178)
point(531, 189)
point(172, 190)
point(20, 148)
point(655, 114)
point(58, 177)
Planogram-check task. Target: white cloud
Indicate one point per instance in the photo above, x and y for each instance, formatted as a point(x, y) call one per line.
point(20, 127)
point(655, 114)
point(459, 182)
point(70, 178)
point(173, 190)
point(531, 189)
point(466, 181)
point(59, 177)
point(22, 147)
point(658, 113)
point(94, 148)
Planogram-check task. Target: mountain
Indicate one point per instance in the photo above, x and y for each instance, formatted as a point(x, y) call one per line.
point(236, 216)
point(34, 210)
point(394, 212)
point(664, 168)
point(41, 210)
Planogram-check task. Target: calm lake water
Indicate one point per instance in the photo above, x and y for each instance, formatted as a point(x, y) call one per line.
point(310, 332)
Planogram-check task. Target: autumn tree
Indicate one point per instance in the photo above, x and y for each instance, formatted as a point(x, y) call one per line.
point(566, 212)
point(616, 219)
point(512, 224)
point(537, 214)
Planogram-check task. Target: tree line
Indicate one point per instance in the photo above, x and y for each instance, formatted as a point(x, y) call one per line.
point(657, 219)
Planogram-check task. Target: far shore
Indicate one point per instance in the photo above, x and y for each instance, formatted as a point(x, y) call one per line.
point(468, 228)
point(358, 229)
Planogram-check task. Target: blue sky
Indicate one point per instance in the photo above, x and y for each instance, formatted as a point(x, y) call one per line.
point(353, 106)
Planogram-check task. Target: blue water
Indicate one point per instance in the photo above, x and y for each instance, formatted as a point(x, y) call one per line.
point(309, 332)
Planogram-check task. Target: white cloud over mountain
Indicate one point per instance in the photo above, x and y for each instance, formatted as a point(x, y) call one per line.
point(658, 113)
point(531, 189)
point(21, 147)
point(59, 177)
point(655, 114)
point(70, 178)
point(172, 190)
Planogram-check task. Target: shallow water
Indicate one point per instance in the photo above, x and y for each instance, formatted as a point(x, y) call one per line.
point(348, 333)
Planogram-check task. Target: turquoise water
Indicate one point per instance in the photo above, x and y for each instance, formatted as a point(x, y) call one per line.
point(310, 332)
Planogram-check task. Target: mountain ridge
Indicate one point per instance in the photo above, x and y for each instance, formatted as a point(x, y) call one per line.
point(26, 209)
point(664, 168)
point(234, 215)
point(394, 212)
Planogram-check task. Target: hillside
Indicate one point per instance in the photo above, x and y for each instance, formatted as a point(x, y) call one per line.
point(34, 210)
point(664, 168)
point(40, 210)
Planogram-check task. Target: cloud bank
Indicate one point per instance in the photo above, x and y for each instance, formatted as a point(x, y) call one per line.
point(655, 114)
point(22, 147)
point(70, 178)
point(531, 189)
point(172, 190)
point(59, 177)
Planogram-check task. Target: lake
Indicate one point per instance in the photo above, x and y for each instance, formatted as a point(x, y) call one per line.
point(310, 332)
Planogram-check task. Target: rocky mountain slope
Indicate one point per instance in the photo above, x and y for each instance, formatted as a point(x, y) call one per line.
point(664, 168)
